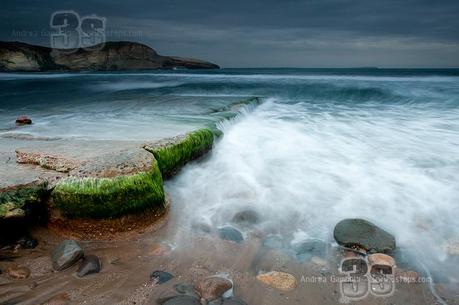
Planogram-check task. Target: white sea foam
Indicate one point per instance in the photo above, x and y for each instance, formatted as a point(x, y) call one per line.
point(304, 170)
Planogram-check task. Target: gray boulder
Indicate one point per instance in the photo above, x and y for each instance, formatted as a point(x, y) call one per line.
point(66, 254)
point(363, 234)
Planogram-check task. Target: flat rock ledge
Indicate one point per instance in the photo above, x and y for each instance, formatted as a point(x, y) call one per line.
point(104, 184)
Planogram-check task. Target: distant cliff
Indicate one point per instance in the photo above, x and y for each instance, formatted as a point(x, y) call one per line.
point(113, 56)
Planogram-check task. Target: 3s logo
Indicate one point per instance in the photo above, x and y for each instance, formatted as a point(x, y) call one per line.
point(362, 279)
point(73, 32)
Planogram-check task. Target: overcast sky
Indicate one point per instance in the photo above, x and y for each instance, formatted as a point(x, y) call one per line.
point(265, 33)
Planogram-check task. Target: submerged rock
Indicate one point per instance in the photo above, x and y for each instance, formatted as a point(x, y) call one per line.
point(23, 120)
point(246, 218)
point(19, 273)
point(279, 280)
point(212, 288)
point(230, 233)
point(160, 277)
point(309, 248)
point(66, 254)
point(181, 300)
point(273, 242)
point(361, 233)
point(91, 264)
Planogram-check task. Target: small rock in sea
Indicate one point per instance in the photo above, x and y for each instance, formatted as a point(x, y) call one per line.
point(230, 233)
point(201, 227)
point(23, 120)
point(66, 254)
point(160, 277)
point(19, 273)
point(279, 280)
point(307, 249)
point(181, 300)
point(185, 289)
point(27, 242)
point(363, 234)
point(274, 242)
point(246, 218)
point(90, 264)
point(212, 288)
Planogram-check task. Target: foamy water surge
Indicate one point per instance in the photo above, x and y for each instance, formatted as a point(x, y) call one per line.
point(305, 167)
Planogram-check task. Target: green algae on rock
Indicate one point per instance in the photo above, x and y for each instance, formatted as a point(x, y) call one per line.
point(173, 153)
point(14, 200)
point(100, 197)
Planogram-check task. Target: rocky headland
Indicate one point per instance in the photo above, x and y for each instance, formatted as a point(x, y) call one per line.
point(111, 56)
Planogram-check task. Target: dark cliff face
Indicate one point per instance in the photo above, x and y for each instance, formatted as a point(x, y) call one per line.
point(113, 56)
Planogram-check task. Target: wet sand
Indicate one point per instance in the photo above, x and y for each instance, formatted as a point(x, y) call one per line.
point(127, 264)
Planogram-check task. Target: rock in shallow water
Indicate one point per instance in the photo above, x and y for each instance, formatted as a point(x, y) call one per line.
point(309, 248)
point(23, 120)
point(230, 233)
point(212, 288)
point(361, 233)
point(274, 242)
point(160, 277)
point(246, 218)
point(91, 264)
point(66, 254)
point(279, 280)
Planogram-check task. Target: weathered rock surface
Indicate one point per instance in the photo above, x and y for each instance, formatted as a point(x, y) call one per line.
point(230, 233)
point(309, 248)
point(361, 233)
point(279, 280)
point(113, 56)
point(380, 259)
point(90, 264)
point(19, 273)
point(66, 254)
point(45, 160)
point(212, 288)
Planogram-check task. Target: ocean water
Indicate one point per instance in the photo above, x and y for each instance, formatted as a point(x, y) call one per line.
point(324, 145)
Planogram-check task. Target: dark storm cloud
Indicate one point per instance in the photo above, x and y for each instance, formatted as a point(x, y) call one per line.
point(268, 33)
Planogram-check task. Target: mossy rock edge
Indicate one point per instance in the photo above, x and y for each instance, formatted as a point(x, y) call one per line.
point(109, 197)
point(13, 202)
point(175, 154)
